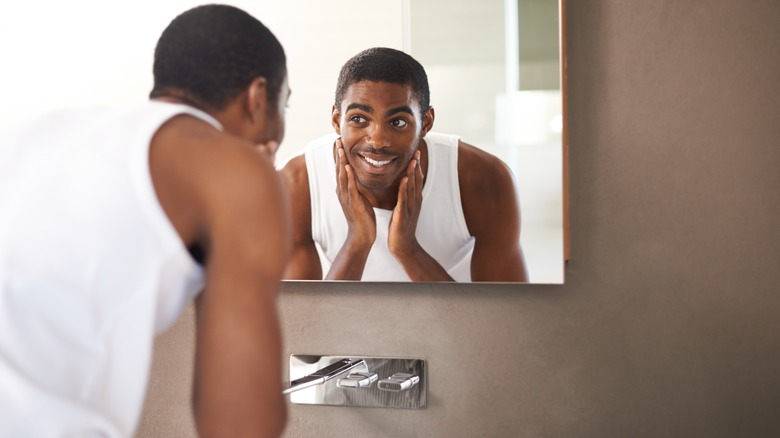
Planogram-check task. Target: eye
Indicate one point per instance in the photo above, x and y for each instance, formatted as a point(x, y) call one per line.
point(357, 119)
point(399, 123)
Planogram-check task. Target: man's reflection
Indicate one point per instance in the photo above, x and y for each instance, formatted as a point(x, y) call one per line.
point(385, 199)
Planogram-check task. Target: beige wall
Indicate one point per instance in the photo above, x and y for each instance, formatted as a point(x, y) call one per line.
point(669, 321)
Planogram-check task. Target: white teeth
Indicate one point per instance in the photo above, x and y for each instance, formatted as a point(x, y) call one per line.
point(377, 163)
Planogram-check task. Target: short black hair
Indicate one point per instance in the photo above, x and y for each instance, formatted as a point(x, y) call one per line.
point(213, 52)
point(382, 64)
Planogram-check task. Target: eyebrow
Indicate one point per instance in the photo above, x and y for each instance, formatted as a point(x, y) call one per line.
point(361, 107)
point(400, 109)
point(390, 112)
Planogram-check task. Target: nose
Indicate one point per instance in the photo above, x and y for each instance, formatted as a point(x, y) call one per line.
point(377, 136)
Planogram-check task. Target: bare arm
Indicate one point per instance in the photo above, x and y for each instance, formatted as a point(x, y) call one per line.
point(492, 211)
point(238, 354)
point(225, 196)
point(304, 263)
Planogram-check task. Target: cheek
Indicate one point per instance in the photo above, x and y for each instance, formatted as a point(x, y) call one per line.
point(348, 137)
point(273, 130)
point(350, 146)
point(278, 126)
point(280, 132)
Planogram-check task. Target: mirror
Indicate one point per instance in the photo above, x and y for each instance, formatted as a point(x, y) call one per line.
point(494, 74)
point(499, 57)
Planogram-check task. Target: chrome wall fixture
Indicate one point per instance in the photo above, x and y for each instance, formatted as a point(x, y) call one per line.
point(387, 382)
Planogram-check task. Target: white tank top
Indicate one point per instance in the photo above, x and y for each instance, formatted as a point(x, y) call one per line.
point(90, 270)
point(441, 227)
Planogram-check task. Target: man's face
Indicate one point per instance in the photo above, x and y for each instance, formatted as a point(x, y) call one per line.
point(380, 127)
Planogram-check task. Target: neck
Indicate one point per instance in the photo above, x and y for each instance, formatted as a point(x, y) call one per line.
point(385, 198)
point(176, 96)
point(219, 116)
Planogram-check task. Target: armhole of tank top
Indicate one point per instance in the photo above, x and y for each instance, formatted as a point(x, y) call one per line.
point(433, 155)
point(460, 217)
point(142, 175)
point(320, 168)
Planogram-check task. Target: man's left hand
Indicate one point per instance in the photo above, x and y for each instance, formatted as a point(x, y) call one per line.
point(401, 239)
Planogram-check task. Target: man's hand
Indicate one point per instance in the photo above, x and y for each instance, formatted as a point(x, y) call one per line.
point(401, 238)
point(268, 149)
point(361, 223)
point(357, 209)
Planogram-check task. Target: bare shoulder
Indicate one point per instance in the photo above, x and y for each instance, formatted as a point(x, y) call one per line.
point(223, 158)
point(487, 190)
point(202, 175)
point(296, 181)
point(481, 172)
point(295, 175)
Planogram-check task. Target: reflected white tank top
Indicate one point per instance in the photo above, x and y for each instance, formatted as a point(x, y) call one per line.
point(90, 270)
point(441, 227)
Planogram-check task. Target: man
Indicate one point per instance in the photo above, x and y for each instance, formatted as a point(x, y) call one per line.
point(106, 219)
point(386, 199)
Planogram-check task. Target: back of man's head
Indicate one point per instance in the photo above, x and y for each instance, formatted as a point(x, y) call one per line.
point(209, 54)
point(382, 64)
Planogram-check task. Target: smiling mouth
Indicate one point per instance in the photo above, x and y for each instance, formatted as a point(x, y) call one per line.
point(377, 163)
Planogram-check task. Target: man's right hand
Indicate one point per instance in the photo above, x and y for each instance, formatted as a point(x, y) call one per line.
point(357, 209)
point(361, 222)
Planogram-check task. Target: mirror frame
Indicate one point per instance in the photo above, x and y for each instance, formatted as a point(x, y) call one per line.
point(564, 133)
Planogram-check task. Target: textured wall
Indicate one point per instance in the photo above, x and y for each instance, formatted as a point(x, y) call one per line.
point(669, 321)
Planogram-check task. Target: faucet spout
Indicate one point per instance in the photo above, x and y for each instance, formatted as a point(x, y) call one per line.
point(323, 375)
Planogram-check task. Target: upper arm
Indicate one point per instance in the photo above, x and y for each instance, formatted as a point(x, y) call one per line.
point(239, 339)
point(304, 263)
point(226, 197)
point(492, 212)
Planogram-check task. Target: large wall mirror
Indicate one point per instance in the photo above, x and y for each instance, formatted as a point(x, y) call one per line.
point(493, 68)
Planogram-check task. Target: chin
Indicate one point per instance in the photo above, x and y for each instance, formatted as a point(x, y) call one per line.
point(374, 182)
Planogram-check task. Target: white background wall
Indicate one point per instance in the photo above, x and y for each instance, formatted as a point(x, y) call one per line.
point(93, 52)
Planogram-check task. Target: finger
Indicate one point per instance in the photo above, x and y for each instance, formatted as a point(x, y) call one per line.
point(341, 173)
point(352, 182)
point(411, 184)
point(418, 179)
point(337, 145)
point(401, 207)
point(410, 187)
point(268, 148)
point(339, 152)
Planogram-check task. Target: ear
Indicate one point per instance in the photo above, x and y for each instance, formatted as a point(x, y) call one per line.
point(257, 99)
point(427, 122)
point(335, 119)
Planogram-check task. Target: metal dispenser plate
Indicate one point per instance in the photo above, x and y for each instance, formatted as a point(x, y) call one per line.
point(360, 386)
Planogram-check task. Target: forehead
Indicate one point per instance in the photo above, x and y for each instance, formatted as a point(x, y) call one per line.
point(380, 94)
